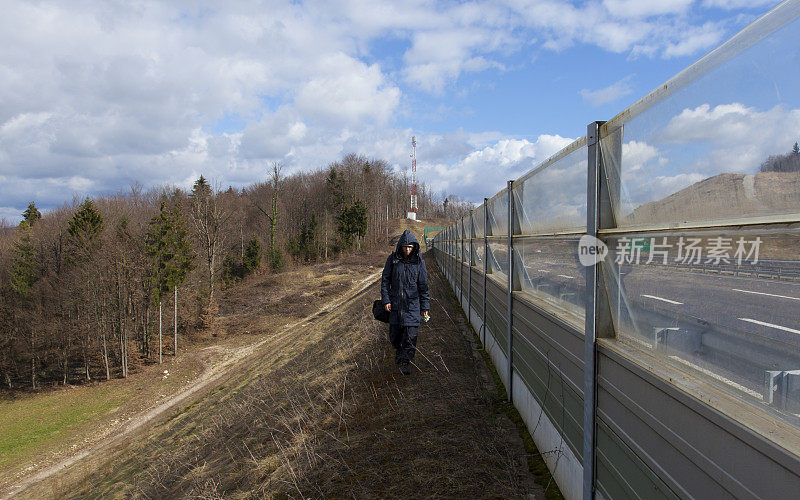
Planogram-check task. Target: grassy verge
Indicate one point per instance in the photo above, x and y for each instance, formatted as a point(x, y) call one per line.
point(33, 420)
point(38, 426)
point(536, 464)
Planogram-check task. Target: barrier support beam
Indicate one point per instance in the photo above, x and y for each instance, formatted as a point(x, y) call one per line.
point(469, 270)
point(510, 318)
point(485, 260)
point(598, 322)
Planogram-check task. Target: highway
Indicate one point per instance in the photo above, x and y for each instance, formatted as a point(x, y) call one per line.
point(732, 329)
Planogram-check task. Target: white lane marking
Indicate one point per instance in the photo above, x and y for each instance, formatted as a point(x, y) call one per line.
point(543, 270)
point(763, 293)
point(662, 299)
point(568, 277)
point(719, 377)
point(764, 323)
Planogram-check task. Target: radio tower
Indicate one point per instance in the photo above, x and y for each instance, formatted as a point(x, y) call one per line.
point(412, 214)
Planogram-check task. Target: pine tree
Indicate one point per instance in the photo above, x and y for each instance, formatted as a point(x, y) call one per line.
point(167, 244)
point(795, 149)
point(22, 276)
point(252, 255)
point(32, 214)
point(85, 229)
point(209, 216)
point(353, 222)
point(23, 273)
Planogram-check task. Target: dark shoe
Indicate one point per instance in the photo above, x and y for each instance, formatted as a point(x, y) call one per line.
point(404, 369)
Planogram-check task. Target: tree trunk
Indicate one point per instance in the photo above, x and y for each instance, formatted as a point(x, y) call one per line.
point(105, 356)
point(211, 283)
point(176, 320)
point(66, 355)
point(160, 343)
point(124, 353)
point(86, 354)
point(147, 328)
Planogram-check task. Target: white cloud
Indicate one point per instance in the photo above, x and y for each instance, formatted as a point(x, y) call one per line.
point(608, 94)
point(734, 125)
point(695, 39)
point(738, 4)
point(440, 56)
point(348, 91)
point(637, 154)
point(739, 137)
point(96, 96)
point(483, 172)
point(637, 8)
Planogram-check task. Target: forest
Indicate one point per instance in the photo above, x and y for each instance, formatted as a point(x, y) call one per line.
point(84, 287)
point(788, 162)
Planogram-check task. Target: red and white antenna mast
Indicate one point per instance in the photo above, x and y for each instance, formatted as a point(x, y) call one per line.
point(412, 214)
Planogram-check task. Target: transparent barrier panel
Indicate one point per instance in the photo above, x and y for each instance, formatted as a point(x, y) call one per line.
point(552, 198)
point(551, 272)
point(498, 259)
point(498, 214)
point(478, 252)
point(477, 221)
point(724, 305)
point(718, 141)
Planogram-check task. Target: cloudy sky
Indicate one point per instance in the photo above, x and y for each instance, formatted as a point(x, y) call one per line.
point(95, 96)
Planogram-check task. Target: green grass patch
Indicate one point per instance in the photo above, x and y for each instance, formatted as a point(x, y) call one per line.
point(31, 421)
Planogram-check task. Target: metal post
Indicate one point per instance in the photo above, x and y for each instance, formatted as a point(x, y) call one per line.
point(176, 320)
point(461, 266)
point(485, 260)
point(589, 368)
point(510, 321)
point(452, 258)
point(469, 269)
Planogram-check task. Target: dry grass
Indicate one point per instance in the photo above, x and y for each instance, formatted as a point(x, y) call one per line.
point(57, 424)
point(323, 412)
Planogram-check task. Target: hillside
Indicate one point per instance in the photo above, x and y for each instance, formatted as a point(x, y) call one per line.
point(43, 431)
point(319, 409)
point(725, 196)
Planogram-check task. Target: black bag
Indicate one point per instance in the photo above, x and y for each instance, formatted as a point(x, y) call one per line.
point(379, 311)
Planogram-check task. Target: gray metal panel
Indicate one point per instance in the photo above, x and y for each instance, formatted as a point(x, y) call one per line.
point(476, 292)
point(563, 346)
point(695, 450)
point(620, 473)
point(495, 313)
point(561, 403)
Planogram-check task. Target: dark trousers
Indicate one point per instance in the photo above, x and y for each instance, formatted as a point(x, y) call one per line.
point(404, 340)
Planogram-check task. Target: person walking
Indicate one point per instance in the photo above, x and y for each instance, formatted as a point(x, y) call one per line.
point(404, 293)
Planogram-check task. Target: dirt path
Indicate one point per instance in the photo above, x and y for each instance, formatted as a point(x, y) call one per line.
point(321, 411)
point(184, 397)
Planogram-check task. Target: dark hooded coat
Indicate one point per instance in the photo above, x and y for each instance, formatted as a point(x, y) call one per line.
point(404, 284)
